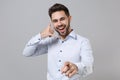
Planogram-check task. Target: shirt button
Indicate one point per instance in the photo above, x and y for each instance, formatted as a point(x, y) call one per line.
point(62, 41)
point(60, 50)
point(58, 69)
point(59, 60)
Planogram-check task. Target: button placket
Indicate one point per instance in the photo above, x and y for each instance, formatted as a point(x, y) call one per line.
point(60, 51)
point(59, 60)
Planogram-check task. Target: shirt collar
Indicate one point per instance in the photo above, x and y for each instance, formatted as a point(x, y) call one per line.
point(72, 35)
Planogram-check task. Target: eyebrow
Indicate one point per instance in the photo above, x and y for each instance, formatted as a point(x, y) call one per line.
point(58, 19)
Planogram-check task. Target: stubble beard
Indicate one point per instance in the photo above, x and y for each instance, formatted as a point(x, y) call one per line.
point(66, 32)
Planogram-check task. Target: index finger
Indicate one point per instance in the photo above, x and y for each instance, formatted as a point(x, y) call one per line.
point(65, 67)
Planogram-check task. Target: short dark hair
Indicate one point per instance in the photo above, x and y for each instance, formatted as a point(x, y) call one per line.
point(58, 7)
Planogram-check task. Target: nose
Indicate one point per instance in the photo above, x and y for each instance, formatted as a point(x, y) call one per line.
point(59, 23)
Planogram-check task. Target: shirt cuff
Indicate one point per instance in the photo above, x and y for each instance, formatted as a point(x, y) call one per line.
point(84, 70)
point(34, 40)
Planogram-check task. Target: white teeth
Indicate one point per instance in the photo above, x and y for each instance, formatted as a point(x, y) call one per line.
point(61, 28)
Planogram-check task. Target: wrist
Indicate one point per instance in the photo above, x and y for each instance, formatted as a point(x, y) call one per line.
point(43, 35)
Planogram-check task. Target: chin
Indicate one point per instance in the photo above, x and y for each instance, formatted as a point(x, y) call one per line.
point(63, 34)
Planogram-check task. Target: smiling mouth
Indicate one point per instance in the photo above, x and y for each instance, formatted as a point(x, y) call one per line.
point(61, 29)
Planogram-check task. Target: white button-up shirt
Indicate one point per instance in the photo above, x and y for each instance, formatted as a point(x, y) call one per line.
point(74, 48)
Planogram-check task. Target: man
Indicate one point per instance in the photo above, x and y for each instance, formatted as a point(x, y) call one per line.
point(69, 54)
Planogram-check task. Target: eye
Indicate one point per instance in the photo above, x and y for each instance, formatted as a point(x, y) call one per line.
point(63, 18)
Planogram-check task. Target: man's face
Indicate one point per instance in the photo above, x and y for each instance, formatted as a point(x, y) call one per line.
point(61, 22)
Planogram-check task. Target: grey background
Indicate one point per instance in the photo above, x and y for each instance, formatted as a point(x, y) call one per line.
point(98, 20)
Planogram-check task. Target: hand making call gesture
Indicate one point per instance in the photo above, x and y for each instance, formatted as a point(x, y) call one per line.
point(48, 32)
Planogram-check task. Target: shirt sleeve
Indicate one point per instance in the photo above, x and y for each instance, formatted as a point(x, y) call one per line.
point(85, 66)
point(35, 47)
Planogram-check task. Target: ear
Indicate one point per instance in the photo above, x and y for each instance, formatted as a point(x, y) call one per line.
point(70, 17)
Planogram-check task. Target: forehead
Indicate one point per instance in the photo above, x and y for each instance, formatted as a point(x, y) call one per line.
point(58, 15)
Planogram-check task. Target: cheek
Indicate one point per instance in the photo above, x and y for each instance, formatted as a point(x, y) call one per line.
point(55, 26)
point(66, 22)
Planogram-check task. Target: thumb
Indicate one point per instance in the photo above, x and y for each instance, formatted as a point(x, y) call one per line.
point(51, 30)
